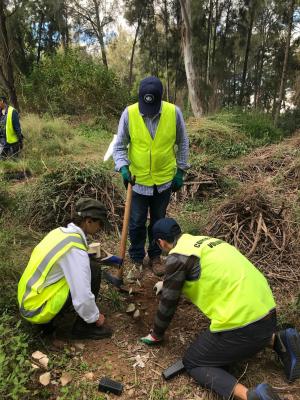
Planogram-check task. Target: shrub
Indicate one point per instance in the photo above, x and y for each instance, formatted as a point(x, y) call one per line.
point(14, 365)
point(51, 201)
point(218, 137)
point(73, 83)
point(47, 137)
point(256, 125)
point(289, 122)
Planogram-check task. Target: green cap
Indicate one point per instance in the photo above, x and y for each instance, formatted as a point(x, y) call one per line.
point(87, 207)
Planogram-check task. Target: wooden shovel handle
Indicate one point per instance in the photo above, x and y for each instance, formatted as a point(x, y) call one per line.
point(125, 226)
point(126, 221)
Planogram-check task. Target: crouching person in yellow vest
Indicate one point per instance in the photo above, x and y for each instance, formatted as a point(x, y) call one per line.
point(238, 301)
point(59, 273)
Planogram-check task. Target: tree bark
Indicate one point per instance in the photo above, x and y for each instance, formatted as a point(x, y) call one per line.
point(208, 41)
point(6, 70)
point(285, 62)
point(166, 24)
point(188, 59)
point(100, 33)
point(247, 52)
point(133, 51)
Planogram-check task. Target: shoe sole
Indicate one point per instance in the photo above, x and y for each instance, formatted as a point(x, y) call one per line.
point(293, 346)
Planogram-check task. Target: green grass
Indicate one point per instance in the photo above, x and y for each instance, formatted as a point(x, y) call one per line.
point(14, 364)
point(231, 134)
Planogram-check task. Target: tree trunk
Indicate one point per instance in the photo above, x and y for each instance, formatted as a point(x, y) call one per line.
point(41, 22)
point(188, 58)
point(102, 46)
point(247, 52)
point(208, 41)
point(8, 81)
point(166, 23)
point(133, 51)
point(285, 62)
point(217, 17)
point(100, 34)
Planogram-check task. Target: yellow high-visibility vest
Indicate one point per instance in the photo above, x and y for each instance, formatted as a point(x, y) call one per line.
point(11, 136)
point(230, 291)
point(39, 304)
point(152, 161)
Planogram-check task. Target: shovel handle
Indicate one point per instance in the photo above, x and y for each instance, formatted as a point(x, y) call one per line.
point(125, 226)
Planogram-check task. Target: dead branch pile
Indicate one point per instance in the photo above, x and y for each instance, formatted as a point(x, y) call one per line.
point(267, 161)
point(52, 201)
point(200, 184)
point(262, 232)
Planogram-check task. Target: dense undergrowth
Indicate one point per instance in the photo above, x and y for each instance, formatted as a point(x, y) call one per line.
point(61, 156)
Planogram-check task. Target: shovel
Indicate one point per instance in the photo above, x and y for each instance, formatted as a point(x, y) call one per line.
point(118, 279)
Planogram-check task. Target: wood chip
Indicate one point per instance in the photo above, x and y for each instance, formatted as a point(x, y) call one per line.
point(131, 308)
point(45, 379)
point(89, 376)
point(136, 314)
point(37, 355)
point(65, 378)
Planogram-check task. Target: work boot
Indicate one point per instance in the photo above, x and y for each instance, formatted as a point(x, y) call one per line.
point(287, 346)
point(263, 391)
point(157, 266)
point(82, 330)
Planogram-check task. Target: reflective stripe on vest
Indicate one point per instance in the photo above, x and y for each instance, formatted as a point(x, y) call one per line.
point(46, 301)
point(230, 291)
point(152, 161)
point(11, 136)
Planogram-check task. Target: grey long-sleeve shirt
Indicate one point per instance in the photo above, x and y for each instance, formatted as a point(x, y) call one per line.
point(75, 267)
point(120, 151)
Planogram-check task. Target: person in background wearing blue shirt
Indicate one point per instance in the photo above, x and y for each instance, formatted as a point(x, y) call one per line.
point(11, 138)
point(152, 146)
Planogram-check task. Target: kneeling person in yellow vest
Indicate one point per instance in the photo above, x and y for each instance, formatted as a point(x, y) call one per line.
point(238, 301)
point(59, 273)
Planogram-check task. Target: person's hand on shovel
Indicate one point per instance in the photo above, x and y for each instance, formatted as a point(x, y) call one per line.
point(126, 175)
point(151, 339)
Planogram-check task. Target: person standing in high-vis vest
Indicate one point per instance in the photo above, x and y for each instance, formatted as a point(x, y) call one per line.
point(152, 146)
point(60, 273)
point(236, 298)
point(11, 138)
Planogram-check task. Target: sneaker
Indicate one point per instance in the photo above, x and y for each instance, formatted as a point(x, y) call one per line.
point(262, 391)
point(82, 330)
point(287, 346)
point(158, 266)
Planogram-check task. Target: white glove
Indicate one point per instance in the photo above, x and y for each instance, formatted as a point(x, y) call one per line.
point(158, 287)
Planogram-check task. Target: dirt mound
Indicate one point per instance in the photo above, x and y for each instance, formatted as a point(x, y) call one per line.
point(262, 231)
point(267, 161)
point(51, 201)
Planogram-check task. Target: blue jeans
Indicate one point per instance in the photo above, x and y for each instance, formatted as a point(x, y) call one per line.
point(157, 205)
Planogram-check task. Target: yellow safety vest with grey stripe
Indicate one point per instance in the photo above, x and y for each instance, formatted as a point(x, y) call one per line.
point(152, 161)
point(39, 303)
point(230, 291)
point(11, 136)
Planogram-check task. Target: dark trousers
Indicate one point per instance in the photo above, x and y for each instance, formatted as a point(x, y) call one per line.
point(68, 306)
point(10, 151)
point(208, 356)
point(157, 205)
